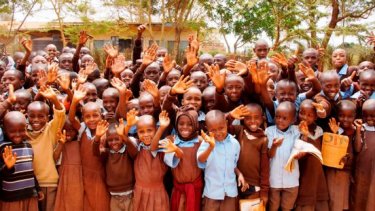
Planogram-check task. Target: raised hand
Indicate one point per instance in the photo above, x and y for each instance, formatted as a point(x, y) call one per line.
point(208, 138)
point(277, 142)
point(52, 73)
point(182, 85)
point(321, 51)
point(110, 50)
point(79, 94)
point(347, 82)
point(304, 128)
point(262, 72)
point(320, 111)
point(280, 59)
point(101, 128)
point(240, 112)
point(118, 65)
point(193, 42)
point(168, 64)
point(11, 96)
point(191, 51)
point(90, 67)
point(149, 55)
point(236, 67)
point(83, 37)
point(61, 136)
point(8, 157)
point(27, 44)
point(217, 78)
point(334, 125)
point(150, 87)
point(140, 30)
point(64, 81)
point(42, 78)
point(74, 84)
point(82, 77)
point(47, 92)
point(167, 145)
point(120, 127)
point(164, 119)
point(358, 124)
point(119, 85)
point(131, 117)
point(306, 70)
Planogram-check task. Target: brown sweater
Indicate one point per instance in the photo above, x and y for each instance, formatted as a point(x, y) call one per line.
point(253, 161)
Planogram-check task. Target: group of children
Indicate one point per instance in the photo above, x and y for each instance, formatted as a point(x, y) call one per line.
point(149, 134)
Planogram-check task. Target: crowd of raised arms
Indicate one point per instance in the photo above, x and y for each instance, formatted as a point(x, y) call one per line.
point(150, 134)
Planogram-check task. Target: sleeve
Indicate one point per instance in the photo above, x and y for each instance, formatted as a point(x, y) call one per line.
point(346, 94)
point(203, 147)
point(171, 160)
point(137, 50)
point(57, 122)
point(264, 170)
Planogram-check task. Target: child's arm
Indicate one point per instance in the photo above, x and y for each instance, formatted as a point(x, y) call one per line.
point(276, 143)
point(123, 131)
point(358, 135)
point(202, 157)
point(61, 139)
point(64, 82)
point(168, 65)
point(164, 123)
point(170, 147)
point(191, 55)
point(218, 79)
point(262, 77)
point(125, 94)
point(79, 94)
point(7, 104)
point(28, 45)
point(101, 129)
point(137, 50)
point(241, 180)
point(83, 37)
point(150, 87)
point(310, 74)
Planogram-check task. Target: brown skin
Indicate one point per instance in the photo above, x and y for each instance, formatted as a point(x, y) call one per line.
point(146, 129)
point(173, 77)
point(15, 126)
point(220, 60)
point(271, 88)
point(368, 112)
point(110, 99)
point(133, 104)
point(200, 80)
point(310, 56)
point(37, 113)
point(152, 72)
point(330, 84)
point(163, 91)
point(193, 97)
point(65, 61)
point(91, 115)
point(261, 49)
point(205, 58)
point(209, 98)
point(92, 94)
point(286, 91)
point(184, 126)
point(366, 65)
point(233, 87)
point(303, 84)
point(101, 84)
point(273, 70)
point(217, 124)
point(12, 77)
point(51, 50)
point(254, 120)
point(126, 76)
point(23, 99)
point(338, 59)
point(307, 112)
point(114, 141)
point(285, 114)
point(346, 114)
point(367, 81)
point(146, 104)
point(38, 60)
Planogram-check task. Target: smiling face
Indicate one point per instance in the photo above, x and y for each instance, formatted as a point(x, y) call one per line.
point(233, 88)
point(184, 126)
point(71, 133)
point(286, 91)
point(114, 141)
point(330, 84)
point(152, 72)
point(127, 76)
point(37, 113)
point(285, 114)
point(13, 77)
point(15, 126)
point(307, 112)
point(23, 99)
point(346, 114)
point(217, 124)
point(193, 97)
point(367, 81)
point(368, 111)
point(255, 118)
point(146, 104)
point(91, 115)
point(146, 129)
point(110, 99)
point(302, 82)
point(173, 77)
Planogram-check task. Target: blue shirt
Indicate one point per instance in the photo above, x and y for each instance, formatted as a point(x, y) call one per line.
point(219, 175)
point(357, 94)
point(343, 71)
point(301, 97)
point(279, 177)
point(170, 159)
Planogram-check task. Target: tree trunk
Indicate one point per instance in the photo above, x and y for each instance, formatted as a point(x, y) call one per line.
point(177, 38)
point(226, 42)
point(332, 23)
point(162, 40)
point(311, 9)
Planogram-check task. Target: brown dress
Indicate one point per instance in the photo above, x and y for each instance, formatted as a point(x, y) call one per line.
point(96, 196)
point(70, 189)
point(364, 187)
point(149, 191)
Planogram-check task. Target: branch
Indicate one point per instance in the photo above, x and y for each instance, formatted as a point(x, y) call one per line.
point(359, 15)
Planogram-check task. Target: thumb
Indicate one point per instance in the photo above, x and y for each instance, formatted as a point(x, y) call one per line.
point(353, 75)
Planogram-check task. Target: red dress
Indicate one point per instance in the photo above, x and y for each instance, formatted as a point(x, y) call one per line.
point(70, 190)
point(149, 191)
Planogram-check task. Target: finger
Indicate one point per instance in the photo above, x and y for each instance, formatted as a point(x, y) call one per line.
point(354, 73)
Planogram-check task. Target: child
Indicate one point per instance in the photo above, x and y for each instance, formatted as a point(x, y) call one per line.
point(119, 163)
point(149, 168)
point(253, 161)
point(70, 189)
point(281, 138)
point(313, 191)
point(199, 79)
point(208, 96)
point(19, 186)
point(92, 166)
point(261, 49)
point(367, 87)
point(187, 177)
point(364, 184)
point(43, 138)
point(338, 180)
point(110, 102)
point(220, 190)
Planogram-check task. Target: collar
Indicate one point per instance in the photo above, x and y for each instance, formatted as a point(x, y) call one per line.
point(368, 128)
point(178, 141)
point(335, 98)
point(318, 132)
point(344, 70)
point(254, 135)
point(282, 132)
point(35, 132)
point(201, 116)
point(143, 146)
point(226, 140)
point(121, 151)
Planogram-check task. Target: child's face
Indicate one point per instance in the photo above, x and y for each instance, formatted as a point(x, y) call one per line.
point(184, 126)
point(146, 105)
point(146, 131)
point(38, 116)
point(114, 140)
point(199, 80)
point(346, 117)
point(330, 86)
point(273, 71)
point(271, 88)
point(283, 118)
point(91, 116)
point(35, 76)
point(286, 92)
point(11, 77)
point(310, 58)
point(71, 133)
point(209, 100)
point(366, 65)
point(22, 101)
point(133, 104)
point(233, 89)
point(339, 58)
point(152, 73)
point(16, 131)
point(254, 120)
point(367, 84)
point(91, 94)
point(110, 102)
point(193, 97)
point(369, 115)
point(307, 113)
point(127, 76)
point(163, 92)
point(65, 62)
point(172, 78)
point(261, 50)
point(303, 84)
point(218, 127)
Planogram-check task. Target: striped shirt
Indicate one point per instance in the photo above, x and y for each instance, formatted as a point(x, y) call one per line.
point(19, 182)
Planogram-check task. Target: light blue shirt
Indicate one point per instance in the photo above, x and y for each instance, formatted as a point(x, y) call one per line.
point(170, 159)
point(343, 71)
point(301, 97)
point(346, 94)
point(279, 177)
point(219, 175)
point(357, 94)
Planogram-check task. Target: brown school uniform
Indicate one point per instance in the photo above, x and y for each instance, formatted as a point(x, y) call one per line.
point(187, 171)
point(149, 191)
point(253, 161)
point(338, 180)
point(70, 188)
point(331, 111)
point(29, 204)
point(96, 196)
point(313, 190)
point(364, 178)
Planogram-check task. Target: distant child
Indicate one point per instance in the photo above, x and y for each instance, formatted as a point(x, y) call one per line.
point(363, 191)
point(70, 190)
point(313, 191)
point(220, 190)
point(281, 138)
point(43, 139)
point(19, 186)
